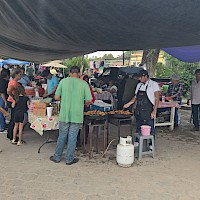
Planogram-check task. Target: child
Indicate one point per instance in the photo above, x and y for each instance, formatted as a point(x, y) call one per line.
point(21, 104)
point(40, 89)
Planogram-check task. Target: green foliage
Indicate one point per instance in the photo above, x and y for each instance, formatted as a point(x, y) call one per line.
point(108, 56)
point(182, 69)
point(75, 61)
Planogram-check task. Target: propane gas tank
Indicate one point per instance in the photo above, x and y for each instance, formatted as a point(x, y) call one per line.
point(125, 152)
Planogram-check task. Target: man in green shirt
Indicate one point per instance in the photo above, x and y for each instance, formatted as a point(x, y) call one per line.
point(73, 93)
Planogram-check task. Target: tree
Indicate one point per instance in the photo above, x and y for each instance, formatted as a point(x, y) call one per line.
point(150, 58)
point(76, 61)
point(182, 69)
point(108, 56)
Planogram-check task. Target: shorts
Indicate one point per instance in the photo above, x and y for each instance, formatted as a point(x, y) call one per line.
point(19, 117)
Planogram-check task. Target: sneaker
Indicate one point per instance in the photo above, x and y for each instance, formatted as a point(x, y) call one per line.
point(53, 159)
point(13, 142)
point(73, 162)
point(20, 143)
point(4, 131)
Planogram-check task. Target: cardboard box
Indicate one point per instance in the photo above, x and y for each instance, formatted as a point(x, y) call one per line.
point(39, 108)
point(39, 112)
point(38, 104)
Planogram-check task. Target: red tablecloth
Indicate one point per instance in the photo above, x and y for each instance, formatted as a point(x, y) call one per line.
point(168, 104)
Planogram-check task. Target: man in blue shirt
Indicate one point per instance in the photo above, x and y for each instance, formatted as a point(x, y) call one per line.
point(52, 83)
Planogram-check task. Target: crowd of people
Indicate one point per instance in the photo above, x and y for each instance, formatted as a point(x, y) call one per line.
point(76, 94)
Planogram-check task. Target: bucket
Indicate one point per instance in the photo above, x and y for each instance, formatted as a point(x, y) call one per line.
point(145, 130)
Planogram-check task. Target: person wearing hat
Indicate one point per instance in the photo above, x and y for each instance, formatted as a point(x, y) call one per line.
point(174, 93)
point(194, 96)
point(52, 83)
point(147, 100)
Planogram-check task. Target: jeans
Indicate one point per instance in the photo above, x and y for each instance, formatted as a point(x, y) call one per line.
point(195, 114)
point(150, 123)
point(2, 118)
point(70, 131)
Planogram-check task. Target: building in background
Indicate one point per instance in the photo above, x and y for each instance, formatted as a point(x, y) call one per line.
point(136, 58)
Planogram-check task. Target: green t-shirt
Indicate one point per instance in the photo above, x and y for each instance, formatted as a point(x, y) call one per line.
point(73, 93)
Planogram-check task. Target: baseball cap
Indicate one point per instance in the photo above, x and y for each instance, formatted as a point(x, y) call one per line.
point(174, 77)
point(143, 73)
point(197, 71)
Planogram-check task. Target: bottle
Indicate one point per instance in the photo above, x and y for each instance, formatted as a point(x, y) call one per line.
point(36, 92)
point(163, 98)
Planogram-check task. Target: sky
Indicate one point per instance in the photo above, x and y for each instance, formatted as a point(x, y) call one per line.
point(101, 53)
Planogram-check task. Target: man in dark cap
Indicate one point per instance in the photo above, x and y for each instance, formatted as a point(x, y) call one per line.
point(73, 93)
point(147, 100)
point(194, 96)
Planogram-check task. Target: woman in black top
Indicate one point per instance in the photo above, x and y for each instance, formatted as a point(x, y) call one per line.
point(21, 104)
point(4, 78)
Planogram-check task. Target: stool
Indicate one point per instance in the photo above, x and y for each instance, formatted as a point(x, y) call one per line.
point(141, 145)
point(97, 124)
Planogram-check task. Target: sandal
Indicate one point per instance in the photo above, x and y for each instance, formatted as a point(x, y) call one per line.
point(13, 142)
point(20, 143)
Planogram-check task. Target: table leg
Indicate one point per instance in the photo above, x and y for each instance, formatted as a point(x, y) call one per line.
point(97, 138)
point(118, 131)
point(105, 138)
point(47, 141)
point(91, 138)
point(172, 118)
point(84, 138)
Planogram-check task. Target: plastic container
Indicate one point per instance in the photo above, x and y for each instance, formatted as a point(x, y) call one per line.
point(145, 130)
point(49, 111)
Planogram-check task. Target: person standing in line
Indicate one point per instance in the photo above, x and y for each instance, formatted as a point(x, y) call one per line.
point(4, 79)
point(73, 94)
point(194, 96)
point(12, 85)
point(174, 93)
point(21, 105)
point(147, 100)
point(52, 83)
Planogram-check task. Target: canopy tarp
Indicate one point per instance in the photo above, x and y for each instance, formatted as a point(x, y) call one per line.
point(37, 30)
point(186, 54)
point(54, 64)
point(14, 62)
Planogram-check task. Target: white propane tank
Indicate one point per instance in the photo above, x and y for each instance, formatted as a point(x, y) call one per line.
point(125, 152)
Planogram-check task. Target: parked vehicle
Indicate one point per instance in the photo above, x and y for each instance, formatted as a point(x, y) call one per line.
point(115, 73)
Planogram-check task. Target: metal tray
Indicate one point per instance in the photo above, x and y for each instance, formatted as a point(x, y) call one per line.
point(120, 116)
point(96, 117)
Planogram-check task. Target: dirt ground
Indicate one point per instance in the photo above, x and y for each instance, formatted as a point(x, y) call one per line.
point(172, 175)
